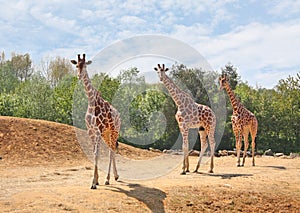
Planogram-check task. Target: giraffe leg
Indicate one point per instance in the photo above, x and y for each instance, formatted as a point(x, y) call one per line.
point(238, 146)
point(212, 144)
point(114, 137)
point(109, 166)
point(96, 155)
point(203, 148)
point(187, 162)
point(114, 166)
point(246, 145)
point(185, 148)
point(253, 149)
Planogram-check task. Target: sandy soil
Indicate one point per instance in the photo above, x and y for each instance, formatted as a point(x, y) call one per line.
point(43, 169)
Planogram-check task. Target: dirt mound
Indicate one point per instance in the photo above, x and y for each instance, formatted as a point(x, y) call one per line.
point(34, 142)
point(43, 169)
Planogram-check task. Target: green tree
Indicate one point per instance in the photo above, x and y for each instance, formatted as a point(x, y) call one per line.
point(288, 105)
point(8, 80)
point(265, 104)
point(9, 102)
point(232, 74)
point(21, 65)
point(57, 69)
point(130, 77)
point(63, 99)
point(191, 80)
point(35, 99)
point(131, 86)
point(106, 85)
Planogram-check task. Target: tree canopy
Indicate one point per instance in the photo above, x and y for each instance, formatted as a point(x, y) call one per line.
point(147, 110)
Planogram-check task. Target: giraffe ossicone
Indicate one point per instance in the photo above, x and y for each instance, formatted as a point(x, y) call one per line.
point(243, 122)
point(190, 115)
point(102, 121)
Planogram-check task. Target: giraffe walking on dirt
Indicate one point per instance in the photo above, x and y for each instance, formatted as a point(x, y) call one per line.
point(243, 122)
point(191, 115)
point(102, 120)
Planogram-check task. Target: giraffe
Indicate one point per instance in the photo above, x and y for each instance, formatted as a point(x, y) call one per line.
point(243, 122)
point(102, 121)
point(190, 115)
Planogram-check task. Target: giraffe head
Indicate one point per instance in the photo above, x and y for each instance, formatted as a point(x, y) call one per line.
point(161, 70)
point(223, 81)
point(80, 65)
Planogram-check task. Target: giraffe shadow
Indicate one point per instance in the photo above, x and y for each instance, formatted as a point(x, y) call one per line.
point(225, 176)
point(151, 197)
point(274, 167)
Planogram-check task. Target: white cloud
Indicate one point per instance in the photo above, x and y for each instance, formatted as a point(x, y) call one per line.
point(285, 8)
point(132, 20)
point(53, 21)
point(255, 48)
point(261, 45)
point(218, 29)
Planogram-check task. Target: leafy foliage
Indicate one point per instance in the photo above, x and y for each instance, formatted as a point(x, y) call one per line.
point(147, 110)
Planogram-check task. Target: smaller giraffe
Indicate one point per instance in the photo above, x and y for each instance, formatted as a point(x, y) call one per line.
point(243, 122)
point(102, 121)
point(191, 115)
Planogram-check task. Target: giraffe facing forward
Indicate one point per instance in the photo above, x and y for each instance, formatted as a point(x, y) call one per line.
point(243, 122)
point(102, 121)
point(191, 115)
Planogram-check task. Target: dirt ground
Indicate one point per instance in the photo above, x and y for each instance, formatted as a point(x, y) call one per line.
point(43, 169)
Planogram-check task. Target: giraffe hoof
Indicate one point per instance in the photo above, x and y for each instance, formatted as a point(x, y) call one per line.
point(196, 171)
point(210, 171)
point(187, 170)
point(117, 177)
point(93, 186)
point(238, 165)
point(183, 173)
point(97, 183)
point(107, 182)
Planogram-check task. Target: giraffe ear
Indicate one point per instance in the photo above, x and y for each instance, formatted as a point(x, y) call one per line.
point(155, 68)
point(166, 69)
point(73, 62)
point(89, 62)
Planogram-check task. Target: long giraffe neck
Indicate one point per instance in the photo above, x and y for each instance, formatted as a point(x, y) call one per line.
point(173, 90)
point(89, 89)
point(234, 102)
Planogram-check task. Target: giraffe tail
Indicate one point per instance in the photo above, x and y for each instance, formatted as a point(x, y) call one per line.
point(117, 147)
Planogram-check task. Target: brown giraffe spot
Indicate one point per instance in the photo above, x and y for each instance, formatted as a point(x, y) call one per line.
point(106, 106)
point(98, 122)
point(93, 120)
point(97, 110)
point(88, 118)
point(101, 127)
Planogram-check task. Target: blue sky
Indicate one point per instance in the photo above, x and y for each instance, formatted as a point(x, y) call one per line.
point(260, 38)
